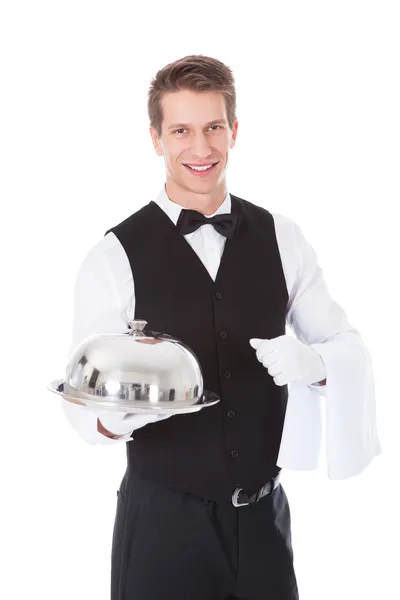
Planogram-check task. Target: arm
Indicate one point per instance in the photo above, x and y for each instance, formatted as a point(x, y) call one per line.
point(313, 315)
point(100, 306)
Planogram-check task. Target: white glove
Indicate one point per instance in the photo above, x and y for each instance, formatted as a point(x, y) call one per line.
point(290, 361)
point(120, 422)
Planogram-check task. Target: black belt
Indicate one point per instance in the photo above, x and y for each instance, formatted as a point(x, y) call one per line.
point(240, 498)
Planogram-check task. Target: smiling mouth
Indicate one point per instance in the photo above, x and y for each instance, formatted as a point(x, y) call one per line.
point(202, 169)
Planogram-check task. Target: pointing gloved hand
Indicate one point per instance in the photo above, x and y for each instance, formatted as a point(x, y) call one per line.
point(290, 361)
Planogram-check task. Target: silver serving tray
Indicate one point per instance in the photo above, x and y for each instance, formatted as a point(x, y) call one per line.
point(208, 399)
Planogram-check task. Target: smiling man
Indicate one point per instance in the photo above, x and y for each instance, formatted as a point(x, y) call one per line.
point(201, 513)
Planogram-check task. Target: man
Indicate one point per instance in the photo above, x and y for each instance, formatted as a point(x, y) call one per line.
point(201, 513)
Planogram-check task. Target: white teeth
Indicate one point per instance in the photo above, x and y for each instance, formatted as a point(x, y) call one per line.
point(200, 168)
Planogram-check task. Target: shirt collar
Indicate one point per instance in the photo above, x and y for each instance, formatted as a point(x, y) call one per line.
point(173, 210)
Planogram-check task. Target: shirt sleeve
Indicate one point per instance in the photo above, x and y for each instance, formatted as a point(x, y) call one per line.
point(349, 395)
point(103, 303)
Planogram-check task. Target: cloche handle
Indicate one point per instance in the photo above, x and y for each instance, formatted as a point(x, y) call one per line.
point(137, 326)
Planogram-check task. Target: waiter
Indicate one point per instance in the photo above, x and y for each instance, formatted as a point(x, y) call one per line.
point(201, 513)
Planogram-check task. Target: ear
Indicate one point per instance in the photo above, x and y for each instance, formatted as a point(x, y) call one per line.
point(156, 141)
point(234, 133)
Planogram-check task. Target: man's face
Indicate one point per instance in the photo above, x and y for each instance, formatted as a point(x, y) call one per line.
point(195, 130)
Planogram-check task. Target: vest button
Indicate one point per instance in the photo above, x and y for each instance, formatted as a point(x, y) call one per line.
point(223, 334)
point(227, 374)
point(231, 413)
point(218, 296)
point(234, 453)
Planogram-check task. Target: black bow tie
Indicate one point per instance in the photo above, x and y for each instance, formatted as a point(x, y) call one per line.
point(190, 220)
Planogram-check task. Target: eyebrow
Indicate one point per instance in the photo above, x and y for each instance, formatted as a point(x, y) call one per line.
point(215, 122)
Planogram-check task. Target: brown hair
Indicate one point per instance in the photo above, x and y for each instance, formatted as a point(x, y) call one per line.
point(194, 72)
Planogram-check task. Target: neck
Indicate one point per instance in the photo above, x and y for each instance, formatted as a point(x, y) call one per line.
point(206, 204)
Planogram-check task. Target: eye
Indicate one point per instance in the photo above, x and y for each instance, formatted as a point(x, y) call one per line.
point(181, 129)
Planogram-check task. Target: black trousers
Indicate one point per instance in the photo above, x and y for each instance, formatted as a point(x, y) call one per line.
point(169, 545)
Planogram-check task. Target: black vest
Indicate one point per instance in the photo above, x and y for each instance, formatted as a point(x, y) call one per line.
point(235, 442)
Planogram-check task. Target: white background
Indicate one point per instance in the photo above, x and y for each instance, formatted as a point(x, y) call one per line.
point(318, 141)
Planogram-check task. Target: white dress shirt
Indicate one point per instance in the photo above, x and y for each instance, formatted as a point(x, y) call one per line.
point(104, 302)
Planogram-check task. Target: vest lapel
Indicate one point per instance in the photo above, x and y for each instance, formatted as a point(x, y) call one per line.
point(231, 256)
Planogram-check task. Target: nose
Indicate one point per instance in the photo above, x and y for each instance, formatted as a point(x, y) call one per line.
point(201, 147)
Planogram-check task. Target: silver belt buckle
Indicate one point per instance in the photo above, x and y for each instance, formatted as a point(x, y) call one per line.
point(235, 496)
point(271, 484)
